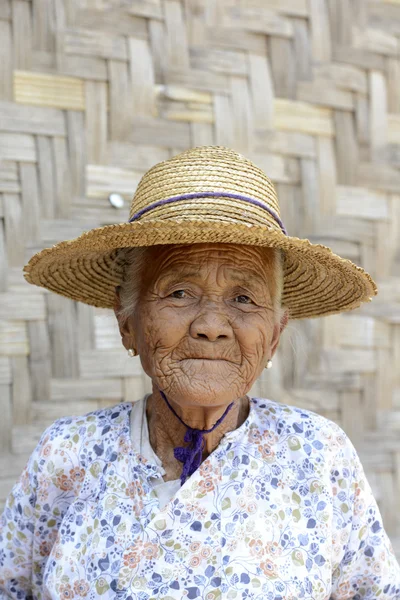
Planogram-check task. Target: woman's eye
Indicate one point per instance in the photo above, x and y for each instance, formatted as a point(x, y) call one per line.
point(178, 294)
point(243, 299)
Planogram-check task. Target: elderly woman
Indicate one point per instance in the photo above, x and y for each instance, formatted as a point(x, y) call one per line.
point(198, 490)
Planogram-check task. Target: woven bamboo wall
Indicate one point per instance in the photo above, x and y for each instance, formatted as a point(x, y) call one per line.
point(94, 92)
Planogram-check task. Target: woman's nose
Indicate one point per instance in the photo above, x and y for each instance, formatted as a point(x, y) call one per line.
point(211, 326)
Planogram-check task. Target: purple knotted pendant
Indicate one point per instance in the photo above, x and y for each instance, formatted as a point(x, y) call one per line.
point(192, 455)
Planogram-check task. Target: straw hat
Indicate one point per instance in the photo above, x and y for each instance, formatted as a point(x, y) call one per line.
point(205, 194)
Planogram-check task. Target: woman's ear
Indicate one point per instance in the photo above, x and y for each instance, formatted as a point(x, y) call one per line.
point(278, 330)
point(117, 299)
point(284, 320)
point(125, 325)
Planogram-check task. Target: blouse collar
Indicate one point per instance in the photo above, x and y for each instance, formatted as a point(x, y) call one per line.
point(150, 465)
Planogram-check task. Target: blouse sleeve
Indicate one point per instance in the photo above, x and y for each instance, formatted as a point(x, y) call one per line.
point(17, 528)
point(367, 567)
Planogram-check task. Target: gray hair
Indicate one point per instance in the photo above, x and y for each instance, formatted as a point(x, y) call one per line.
point(134, 262)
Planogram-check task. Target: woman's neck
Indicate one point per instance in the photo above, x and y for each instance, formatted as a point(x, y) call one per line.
point(166, 432)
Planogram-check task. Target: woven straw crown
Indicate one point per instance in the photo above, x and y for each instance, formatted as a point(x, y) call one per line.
point(205, 194)
point(203, 172)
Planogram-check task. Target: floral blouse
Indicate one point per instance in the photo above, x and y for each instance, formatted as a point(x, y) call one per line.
point(281, 510)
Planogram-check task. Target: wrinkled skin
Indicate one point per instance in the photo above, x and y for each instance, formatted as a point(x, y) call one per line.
point(204, 328)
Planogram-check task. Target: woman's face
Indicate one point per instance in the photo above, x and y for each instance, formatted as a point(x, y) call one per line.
point(204, 325)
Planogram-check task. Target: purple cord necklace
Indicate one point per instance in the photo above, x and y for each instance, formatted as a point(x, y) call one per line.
point(192, 455)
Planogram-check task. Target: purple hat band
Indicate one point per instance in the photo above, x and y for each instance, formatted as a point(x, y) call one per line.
point(208, 195)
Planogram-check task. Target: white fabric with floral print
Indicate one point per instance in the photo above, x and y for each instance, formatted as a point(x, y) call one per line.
point(281, 510)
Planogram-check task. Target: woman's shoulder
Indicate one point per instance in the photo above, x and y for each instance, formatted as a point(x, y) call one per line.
point(75, 442)
point(300, 427)
point(92, 423)
point(291, 414)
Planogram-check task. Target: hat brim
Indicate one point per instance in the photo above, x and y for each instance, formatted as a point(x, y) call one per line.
point(317, 282)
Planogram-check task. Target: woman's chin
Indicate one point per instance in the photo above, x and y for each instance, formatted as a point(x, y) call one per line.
point(196, 397)
point(208, 386)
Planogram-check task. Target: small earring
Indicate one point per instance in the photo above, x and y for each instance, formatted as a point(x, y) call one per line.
point(132, 352)
point(269, 364)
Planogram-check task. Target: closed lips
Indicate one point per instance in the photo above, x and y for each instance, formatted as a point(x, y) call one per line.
point(206, 358)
